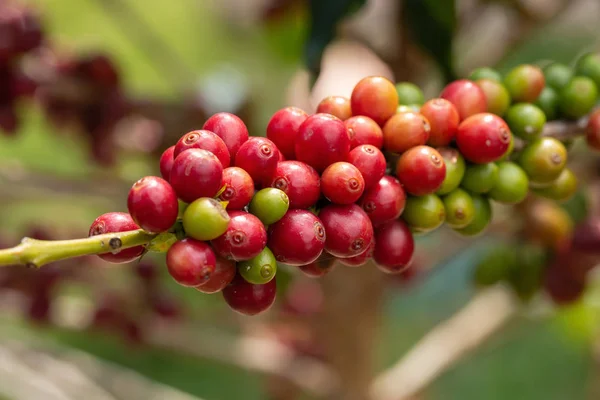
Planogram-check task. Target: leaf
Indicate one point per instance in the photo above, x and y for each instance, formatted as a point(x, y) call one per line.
point(162, 242)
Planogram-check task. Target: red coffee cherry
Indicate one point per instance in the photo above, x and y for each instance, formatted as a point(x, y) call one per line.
point(385, 201)
point(342, 183)
point(394, 247)
point(322, 140)
point(205, 140)
point(483, 138)
point(258, 157)
point(363, 130)
point(467, 97)
point(337, 106)
point(224, 273)
point(239, 188)
point(370, 161)
point(404, 131)
point(196, 173)
point(443, 119)
point(316, 269)
point(374, 97)
point(283, 128)
point(421, 170)
point(191, 262)
point(116, 222)
point(249, 299)
point(166, 162)
point(348, 230)
point(592, 133)
point(299, 181)
point(298, 238)
point(362, 258)
point(153, 205)
point(230, 128)
point(244, 239)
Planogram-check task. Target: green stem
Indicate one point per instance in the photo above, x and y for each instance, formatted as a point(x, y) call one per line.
point(36, 253)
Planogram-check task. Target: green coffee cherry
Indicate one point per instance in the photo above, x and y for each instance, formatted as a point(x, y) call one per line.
point(455, 169)
point(480, 178)
point(543, 160)
point(409, 94)
point(205, 219)
point(495, 266)
point(512, 185)
point(269, 205)
point(562, 189)
point(424, 213)
point(482, 218)
point(525, 120)
point(485, 73)
point(578, 206)
point(260, 269)
point(526, 274)
point(589, 65)
point(460, 209)
point(578, 97)
point(524, 83)
point(497, 97)
point(548, 102)
point(558, 75)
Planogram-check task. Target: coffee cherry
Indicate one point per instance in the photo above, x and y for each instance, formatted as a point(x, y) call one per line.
point(348, 230)
point(283, 128)
point(363, 130)
point(483, 138)
point(586, 237)
point(370, 161)
point(166, 162)
point(543, 160)
point(589, 65)
point(404, 131)
point(548, 102)
point(562, 287)
point(558, 75)
point(482, 218)
point(578, 97)
point(247, 298)
point(460, 209)
point(244, 238)
point(409, 94)
point(299, 181)
point(512, 185)
point(269, 205)
point(525, 120)
point(525, 83)
point(238, 188)
point(480, 178)
point(467, 97)
point(196, 173)
point(455, 169)
point(421, 170)
point(384, 201)
point(322, 140)
point(374, 97)
point(114, 222)
point(485, 73)
point(230, 128)
point(205, 219)
point(562, 189)
point(152, 203)
point(342, 183)
point(316, 269)
point(223, 275)
point(337, 106)
point(191, 262)
point(205, 140)
point(443, 121)
point(362, 258)
point(548, 224)
point(394, 247)
point(258, 157)
point(260, 269)
point(298, 238)
point(424, 213)
point(495, 266)
point(496, 95)
point(592, 131)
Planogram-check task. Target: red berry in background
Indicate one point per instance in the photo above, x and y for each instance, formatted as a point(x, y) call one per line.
point(342, 183)
point(146, 271)
point(385, 201)
point(205, 140)
point(467, 97)
point(191, 262)
point(394, 247)
point(483, 138)
point(101, 71)
point(116, 222)
point(374, 97)
point(196, 173)
point(592, 132)
point(299, 181)
point(337, 106)
point(39, 308)
point(239, 188)
point(421, 170)
point(249, 299)
point(316, 269)
point(298, 238)
point(443, 119)
point(153, 205)
point(363, 130)
point(348, 230)
point(258, 157)
point(563, 287)
point(370, 161)
point(244, 239)
point(166, 162)
point(362, 258)
point(283, 128)
point(404, 131)
point(223, 275)
point(230, 128)
point(164, 305)
point(322, 140)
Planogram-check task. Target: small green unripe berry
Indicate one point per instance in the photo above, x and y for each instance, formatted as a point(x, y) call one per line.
point(578, 97)
point(497, 97)
point(482, 218)
point(480, 178)
point(524, 83)
point(512, 185)
point(485, 73)
point(548, 102)
point(260, 269)
point(409, 94)
point(455, 169)
point(526, 120)
point(589, 65)
point(205, 219)
point(424, 213)
point(543, 160)
point(562, 189)
point(269, 205)
point(558, 75)
point(460, 209)
point(495, 266)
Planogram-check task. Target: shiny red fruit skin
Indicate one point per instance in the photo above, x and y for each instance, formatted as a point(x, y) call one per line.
point(443, 119)
point(166, 162)
point(239, 188)
point(363, 130)
point(563, 287)
point(421, 170)
point(196, 173)
point(191, 262)
point(467, 97)
point(258, 157)
point(299, 181)
point(385, 201)
point(348, 229)
point(230, 128)
point(404, 131)
point(283, 128)
point(152, 203)
point(394, 247)
point(342, 183)
point(247, 298)
point(116, 222)
point(298, 238)
point(224, 273)
point(324, 264)
point(370, 161)
point(483, 138)
point(322, 140)
point(362, 258)
point(592, 131)
point(335, 105)
point(374, 97)
point(205, 140)
point(244, 239)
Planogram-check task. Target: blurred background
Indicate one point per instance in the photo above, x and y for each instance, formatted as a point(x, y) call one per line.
point(97, 89)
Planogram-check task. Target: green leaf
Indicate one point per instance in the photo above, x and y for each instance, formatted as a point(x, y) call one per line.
point(162, 242)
